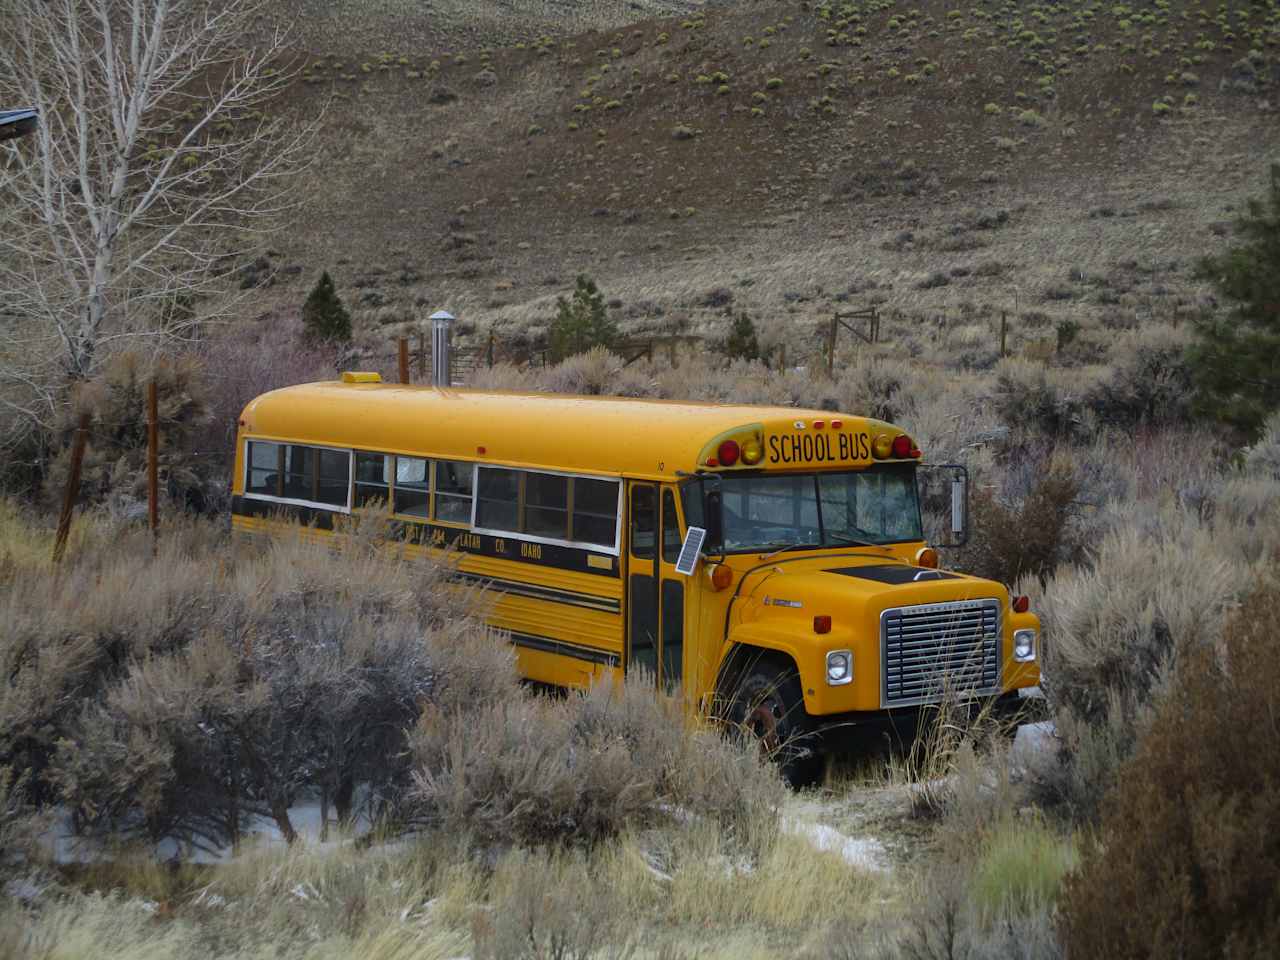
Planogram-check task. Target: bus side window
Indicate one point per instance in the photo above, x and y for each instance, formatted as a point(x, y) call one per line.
point(299, 472)
point(373, 478)
point(498, 499)
point(334, 477)
point(413, 489)
point(264, 468)
point(644, 510)
point(453, 491)
point(546, 505)
point(595, 511)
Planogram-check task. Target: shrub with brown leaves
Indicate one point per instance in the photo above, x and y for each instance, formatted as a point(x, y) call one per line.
point(1188, 864)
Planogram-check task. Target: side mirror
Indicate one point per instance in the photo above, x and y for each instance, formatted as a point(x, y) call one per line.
point(714, 519)
point(944, 503)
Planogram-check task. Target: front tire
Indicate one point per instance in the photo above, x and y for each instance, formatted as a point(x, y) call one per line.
point(767, 707)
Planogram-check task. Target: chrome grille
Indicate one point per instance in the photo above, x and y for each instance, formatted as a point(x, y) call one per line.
point(935, 649)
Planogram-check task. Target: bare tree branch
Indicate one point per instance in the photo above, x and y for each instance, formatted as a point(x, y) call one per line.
point(153, 167)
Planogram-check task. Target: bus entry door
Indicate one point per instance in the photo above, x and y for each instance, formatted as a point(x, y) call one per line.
point(655, 592)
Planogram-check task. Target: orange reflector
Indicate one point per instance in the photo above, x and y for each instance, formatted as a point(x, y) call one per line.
point(721, 576)
point(927, 557)
point(819, 424)
point(712, 462)
point(1021, 604)
point(837, 424)
point(481, 451)
point(822, 624)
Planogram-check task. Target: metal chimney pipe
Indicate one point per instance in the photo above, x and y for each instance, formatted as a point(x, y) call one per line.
point(441, 321)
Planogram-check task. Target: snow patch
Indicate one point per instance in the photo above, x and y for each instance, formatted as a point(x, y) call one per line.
point(865, 853)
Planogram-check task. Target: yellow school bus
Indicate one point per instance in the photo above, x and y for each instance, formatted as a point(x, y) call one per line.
point(807, 598)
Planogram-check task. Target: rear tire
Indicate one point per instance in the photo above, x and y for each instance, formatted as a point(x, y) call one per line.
point(767, 706)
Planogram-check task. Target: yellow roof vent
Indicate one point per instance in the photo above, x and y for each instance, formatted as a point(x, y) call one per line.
point(360, 376)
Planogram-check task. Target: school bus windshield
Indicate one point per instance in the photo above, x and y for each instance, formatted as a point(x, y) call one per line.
point(875, 506)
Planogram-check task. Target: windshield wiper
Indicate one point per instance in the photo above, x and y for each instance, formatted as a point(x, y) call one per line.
point(851, 541)
point(781, 547)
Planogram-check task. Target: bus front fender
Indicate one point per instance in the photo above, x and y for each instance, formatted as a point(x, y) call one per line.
point(747, 643)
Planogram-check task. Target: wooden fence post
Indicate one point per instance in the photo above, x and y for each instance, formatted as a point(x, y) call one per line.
point(782, 356)
point(404, 360)
point(489, 351)
point(73, 488)
point(831, 348)
point(153, 462)
point(1004, 333)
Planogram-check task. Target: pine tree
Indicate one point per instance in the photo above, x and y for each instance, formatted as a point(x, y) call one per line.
point(581, 322)
point(1236, 360)
point(323, 315)
point(742, 343)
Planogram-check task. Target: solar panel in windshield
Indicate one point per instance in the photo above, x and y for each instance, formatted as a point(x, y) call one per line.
point(688, 558)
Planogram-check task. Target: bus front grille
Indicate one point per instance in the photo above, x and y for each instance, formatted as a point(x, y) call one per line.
point(935, 650)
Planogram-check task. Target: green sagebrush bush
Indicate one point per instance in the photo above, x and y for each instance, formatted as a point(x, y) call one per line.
point(1026, 396)
point(1188, 862)
point(1116, 632)
point(179, 695)
point(537, 770)
point(1149, 382)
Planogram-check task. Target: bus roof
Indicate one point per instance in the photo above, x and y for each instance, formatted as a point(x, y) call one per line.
point(605, 435)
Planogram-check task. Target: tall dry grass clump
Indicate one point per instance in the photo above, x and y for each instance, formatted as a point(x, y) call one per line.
point(1188, 861)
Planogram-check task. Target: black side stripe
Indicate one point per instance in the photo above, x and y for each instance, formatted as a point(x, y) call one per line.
point(516, 588)
point(565, 649)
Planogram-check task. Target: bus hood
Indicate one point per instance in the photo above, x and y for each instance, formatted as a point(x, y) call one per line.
point(853, 591)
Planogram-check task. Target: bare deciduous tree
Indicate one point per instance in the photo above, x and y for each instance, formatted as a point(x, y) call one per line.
point(153, 166)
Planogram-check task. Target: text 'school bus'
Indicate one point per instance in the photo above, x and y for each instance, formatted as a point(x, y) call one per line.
point(812, 601)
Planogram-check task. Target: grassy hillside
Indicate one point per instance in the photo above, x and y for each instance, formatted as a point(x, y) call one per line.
point(1069, 157)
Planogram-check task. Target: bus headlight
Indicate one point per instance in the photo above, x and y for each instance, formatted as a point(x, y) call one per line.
point(839, 667)
point(1024, 645)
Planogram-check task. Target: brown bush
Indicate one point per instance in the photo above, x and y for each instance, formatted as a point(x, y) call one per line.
point(1030, 537)
point(1188, 864)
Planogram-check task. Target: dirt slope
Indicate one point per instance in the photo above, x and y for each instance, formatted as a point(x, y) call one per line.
point(917, 155)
